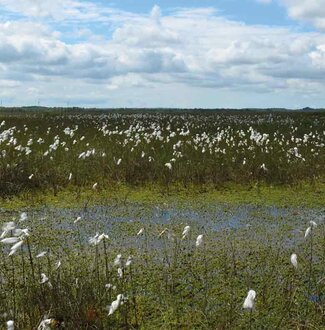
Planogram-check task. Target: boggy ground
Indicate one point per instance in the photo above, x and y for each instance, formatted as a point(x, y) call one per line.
point(165, 279)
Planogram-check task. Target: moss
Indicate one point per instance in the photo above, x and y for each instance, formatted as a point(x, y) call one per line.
point(304, 195)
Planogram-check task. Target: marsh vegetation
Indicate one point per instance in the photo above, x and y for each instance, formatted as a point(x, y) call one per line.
point(99, 261)
point(42, 151)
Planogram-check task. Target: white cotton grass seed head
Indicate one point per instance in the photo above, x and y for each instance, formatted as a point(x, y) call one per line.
point(110, 287)
point(294, 260)
point(21, 232)
point(10, 240)
point(15, 247)
point(101, 237)
point(312, 224)
point(120, 272)
point(263, 167)
point(94, 240)
point(199, 240)
point(57, 265)
point(77, 219)
point(7, 227)
point(10, 325)
point(129, 261)
point(118, 260)
point(250, 300)
point(23, 216)
point(46, 324)
point(44, 278)
point(186, 231)
point(41, 254)
point(307, 232)
point(95, 186)
point(169, 166)
point(163, 232)
point(115, 304)
point(25, 232)
point(140, 232)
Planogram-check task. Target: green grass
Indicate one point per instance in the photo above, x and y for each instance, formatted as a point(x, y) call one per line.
point(303, 195)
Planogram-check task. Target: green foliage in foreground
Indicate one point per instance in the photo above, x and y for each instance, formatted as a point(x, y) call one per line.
point(170, 283)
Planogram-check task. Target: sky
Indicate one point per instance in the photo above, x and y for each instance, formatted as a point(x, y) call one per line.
point(163, 53)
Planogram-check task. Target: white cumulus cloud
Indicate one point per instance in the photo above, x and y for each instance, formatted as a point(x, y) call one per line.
point(310, 11)
point(187, 50)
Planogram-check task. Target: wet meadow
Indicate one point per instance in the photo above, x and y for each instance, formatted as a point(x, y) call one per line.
point(162, 220)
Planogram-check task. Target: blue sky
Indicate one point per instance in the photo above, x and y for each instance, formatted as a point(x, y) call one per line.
point(248, 11)
point(135, 53)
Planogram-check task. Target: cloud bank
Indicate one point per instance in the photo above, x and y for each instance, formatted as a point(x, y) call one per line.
point(188, 57)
